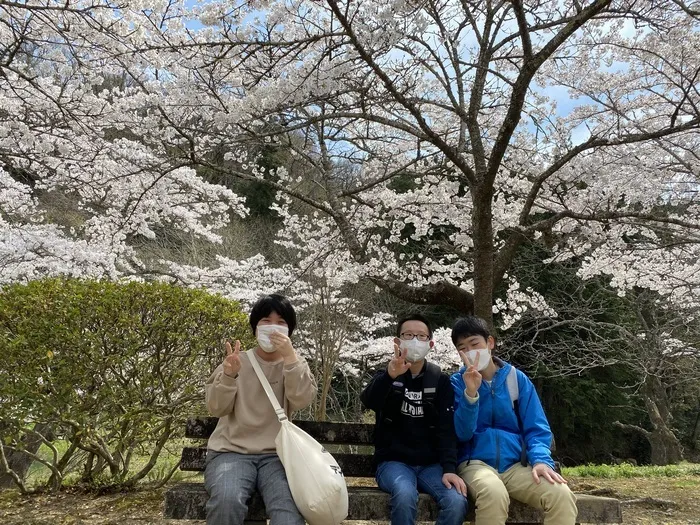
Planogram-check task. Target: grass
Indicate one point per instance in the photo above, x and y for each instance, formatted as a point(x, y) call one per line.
point(687, 484)
point(626, 470)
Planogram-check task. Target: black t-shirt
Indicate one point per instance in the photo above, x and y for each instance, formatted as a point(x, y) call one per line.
point(408, 429)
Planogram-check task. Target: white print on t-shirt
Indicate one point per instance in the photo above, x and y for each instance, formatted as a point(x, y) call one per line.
point(413, 403)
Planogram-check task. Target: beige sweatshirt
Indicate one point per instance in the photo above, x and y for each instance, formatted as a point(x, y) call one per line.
point(247, 421)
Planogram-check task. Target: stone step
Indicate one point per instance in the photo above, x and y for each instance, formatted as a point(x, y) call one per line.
point(188, 500)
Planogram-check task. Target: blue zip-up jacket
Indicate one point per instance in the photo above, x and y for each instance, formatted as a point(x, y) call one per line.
point(488, 429)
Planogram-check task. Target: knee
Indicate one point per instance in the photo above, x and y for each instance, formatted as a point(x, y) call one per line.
point(560, 498)
point(404, 495)
point(453, 501)
point(402, 488)
point(492, 495)
point(226, 495)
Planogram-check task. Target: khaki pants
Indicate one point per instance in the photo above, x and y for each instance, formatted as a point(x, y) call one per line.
point(492, 492)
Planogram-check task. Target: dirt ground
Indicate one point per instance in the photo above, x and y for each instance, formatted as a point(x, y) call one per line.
point(675, 501)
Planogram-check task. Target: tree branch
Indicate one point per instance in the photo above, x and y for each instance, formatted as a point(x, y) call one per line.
point(442, 293)
point(634, 428)
point(366, 56)
point(527, 72)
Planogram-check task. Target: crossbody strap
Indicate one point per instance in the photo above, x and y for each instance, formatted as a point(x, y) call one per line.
point(512, 383)
point(266, 385)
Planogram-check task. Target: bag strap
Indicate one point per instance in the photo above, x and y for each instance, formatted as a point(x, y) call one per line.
point(512, 382)
point(281, 416)
point(514, 391)
point(431, 378)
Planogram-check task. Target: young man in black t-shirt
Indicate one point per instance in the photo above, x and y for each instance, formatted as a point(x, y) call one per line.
point(415, 441)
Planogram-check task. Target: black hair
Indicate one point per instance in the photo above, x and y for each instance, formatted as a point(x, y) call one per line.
point(414, 317)
point(469, 326)
point(273, 303)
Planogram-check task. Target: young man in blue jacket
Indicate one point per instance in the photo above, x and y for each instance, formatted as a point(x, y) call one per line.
point(503, 433)
point(415, 443)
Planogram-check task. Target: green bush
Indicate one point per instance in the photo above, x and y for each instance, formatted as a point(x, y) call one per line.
point(111, 369)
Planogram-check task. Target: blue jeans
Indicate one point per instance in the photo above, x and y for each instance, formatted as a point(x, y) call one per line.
point(230, 480)
point(404, 482)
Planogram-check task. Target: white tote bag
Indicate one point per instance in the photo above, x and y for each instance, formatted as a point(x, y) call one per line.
point(315, 479)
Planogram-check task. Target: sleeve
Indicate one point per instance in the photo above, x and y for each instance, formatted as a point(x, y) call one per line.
point(375, 393)
point(466, 413)
point(299, 384)
point(220, 392)
point(447, 440)
point(536, 431)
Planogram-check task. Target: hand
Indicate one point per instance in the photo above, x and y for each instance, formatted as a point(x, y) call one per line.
point(540, 469)
point(453, 480)
point(472, 377)
point(398, 365)
point(283, 345)
point(232, 361)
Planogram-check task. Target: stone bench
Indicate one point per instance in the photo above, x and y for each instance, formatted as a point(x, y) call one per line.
point(188, 500)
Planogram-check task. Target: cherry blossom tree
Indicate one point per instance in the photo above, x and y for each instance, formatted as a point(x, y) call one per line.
point(438, 137)
point(74, 120)
point(441, 136)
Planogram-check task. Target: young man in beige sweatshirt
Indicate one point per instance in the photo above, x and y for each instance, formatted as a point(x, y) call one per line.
point(241, 456)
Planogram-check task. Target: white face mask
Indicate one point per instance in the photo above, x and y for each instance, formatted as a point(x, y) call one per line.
point(263, 332)
point(480, 357)
point(415, 349)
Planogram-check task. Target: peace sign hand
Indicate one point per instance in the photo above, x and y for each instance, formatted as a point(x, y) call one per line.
point(398, 365)
point(232, 361)
point(472, 377)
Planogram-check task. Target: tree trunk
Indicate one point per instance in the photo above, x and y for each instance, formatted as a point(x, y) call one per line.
point(482, 235)
point(63, 462)
point(665, 446)
point(18, 461)
point(696, 432)
point(324, 377)
point(323, 402)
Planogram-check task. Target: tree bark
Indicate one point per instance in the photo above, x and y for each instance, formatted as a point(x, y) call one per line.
point(441, 293)
point(482, 220)
point(322, 403)
point(695, 436)
point(665, 447)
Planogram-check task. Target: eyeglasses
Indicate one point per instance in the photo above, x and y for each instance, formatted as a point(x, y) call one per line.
point(407, 336)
